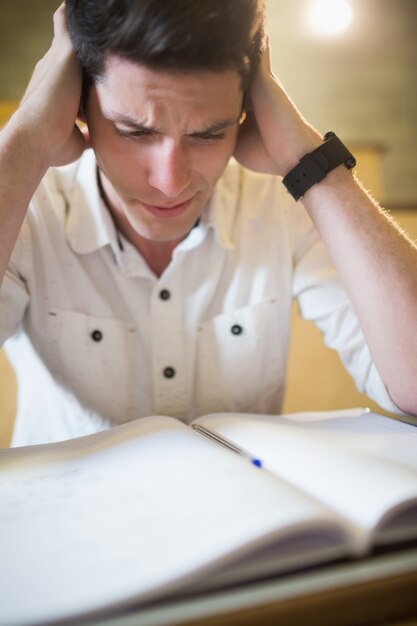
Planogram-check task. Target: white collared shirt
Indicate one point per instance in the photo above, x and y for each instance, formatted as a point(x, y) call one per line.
point(100, 340)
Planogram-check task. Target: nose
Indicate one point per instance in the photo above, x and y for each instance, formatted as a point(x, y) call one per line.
point(170, 170)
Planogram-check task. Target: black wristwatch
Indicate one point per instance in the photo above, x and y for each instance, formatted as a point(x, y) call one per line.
point(315, 166)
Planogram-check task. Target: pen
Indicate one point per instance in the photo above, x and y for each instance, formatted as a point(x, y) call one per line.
point(223, 441)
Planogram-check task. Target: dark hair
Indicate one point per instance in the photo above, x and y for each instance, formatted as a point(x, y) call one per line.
point(182, 35)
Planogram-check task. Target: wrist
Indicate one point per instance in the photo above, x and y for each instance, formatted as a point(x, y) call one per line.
point(306, 144)
point(315, 166)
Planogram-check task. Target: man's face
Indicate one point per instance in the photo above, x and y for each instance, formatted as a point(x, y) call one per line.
point(162, 140)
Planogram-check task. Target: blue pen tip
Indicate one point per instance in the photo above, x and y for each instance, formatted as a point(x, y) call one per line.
point(257, 462)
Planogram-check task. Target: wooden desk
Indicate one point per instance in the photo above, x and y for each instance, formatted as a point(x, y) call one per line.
point(378, 590)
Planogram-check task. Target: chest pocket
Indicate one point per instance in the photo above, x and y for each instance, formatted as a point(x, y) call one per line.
point(91, 356)
point(241, 360)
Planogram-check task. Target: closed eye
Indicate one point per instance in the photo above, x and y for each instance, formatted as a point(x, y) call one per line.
point(134, 134)
point(208, 137)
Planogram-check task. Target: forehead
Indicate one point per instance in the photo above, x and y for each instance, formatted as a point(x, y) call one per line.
point(130, 88)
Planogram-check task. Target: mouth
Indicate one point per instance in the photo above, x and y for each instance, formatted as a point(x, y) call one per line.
point(168, 211)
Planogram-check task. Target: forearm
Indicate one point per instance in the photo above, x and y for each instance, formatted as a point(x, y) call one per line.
point(375, 261)
point(42, 133)
point(377, 264)
point(22, 167)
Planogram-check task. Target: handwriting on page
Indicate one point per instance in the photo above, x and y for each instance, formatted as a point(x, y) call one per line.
point(100, 520)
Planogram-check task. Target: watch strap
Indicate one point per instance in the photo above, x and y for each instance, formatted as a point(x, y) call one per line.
point(315, 166)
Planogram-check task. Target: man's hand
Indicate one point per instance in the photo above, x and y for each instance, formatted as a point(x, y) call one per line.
point(50, 105)
point(274, 136)
point(40, 134)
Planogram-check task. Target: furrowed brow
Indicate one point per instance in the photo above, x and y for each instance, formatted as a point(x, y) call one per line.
point(138, 126)
point(130, 123)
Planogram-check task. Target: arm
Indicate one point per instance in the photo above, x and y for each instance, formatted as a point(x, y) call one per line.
point(377, 263)
point(40, 134)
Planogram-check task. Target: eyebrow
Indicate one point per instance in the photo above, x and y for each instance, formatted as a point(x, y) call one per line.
point(210, 128)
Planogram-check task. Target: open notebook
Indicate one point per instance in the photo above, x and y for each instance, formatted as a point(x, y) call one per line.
point(153, 507)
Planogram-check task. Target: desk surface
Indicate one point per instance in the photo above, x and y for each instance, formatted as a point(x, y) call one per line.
point(377, 590)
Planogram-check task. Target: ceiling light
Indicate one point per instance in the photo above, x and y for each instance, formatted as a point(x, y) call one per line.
point(330, 17)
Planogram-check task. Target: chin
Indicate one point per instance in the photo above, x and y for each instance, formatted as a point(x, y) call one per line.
point(163, 233)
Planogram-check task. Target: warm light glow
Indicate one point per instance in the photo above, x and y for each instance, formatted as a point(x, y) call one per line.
point(330, 17)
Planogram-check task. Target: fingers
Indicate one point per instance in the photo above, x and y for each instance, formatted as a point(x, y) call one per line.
point(52, 99)
point(61, 34)
point(60, 25)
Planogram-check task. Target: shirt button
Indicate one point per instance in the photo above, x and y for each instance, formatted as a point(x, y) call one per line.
point(164, 294)
point(96, 335)
point(236, 329)
point(169, 372)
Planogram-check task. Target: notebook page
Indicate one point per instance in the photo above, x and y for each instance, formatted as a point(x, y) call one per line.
point(384, 437)
point(128, 513)
point(360, 487)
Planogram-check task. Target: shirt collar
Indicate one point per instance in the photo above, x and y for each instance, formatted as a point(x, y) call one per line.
point(89, 224)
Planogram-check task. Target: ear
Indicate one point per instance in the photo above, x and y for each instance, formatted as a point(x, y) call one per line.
point(81, 110)
point(83, 128)
point(85, 89)
point(82, 121)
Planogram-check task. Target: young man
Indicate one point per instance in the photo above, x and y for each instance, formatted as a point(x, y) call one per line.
point(152, 274)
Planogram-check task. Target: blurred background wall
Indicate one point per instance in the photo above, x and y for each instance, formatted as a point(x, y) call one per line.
point(360, 82)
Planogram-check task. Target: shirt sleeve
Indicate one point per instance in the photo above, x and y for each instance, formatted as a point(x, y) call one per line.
point(323, 300)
